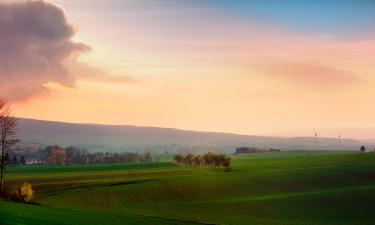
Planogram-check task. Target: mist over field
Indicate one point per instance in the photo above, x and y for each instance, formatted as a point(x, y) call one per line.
point(118, 138)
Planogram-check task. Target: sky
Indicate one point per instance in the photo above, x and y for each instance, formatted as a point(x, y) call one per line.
point(263, 67)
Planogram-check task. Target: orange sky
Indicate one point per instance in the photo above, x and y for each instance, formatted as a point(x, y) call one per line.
point(202, 68)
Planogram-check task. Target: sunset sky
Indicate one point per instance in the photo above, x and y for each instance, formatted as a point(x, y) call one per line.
point(242, 66)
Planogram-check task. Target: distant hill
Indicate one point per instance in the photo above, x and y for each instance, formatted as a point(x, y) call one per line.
point(363, 133)
point(96, 137)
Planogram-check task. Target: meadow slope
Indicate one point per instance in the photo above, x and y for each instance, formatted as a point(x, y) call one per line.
point(299, 188)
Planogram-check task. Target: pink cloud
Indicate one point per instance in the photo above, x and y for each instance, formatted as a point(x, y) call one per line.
point(309, 74)
point(84, 71)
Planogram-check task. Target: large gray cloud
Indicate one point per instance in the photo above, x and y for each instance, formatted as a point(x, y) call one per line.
point(35, 41)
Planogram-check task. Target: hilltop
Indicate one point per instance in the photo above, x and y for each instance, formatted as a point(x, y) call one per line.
point(98, 137)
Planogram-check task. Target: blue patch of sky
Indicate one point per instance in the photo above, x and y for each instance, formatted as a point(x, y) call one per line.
point(341, 18)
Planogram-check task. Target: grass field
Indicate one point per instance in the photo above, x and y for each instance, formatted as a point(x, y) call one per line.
point(299, 188)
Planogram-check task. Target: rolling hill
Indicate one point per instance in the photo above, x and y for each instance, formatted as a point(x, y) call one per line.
point(97, 137)
point(279, 188)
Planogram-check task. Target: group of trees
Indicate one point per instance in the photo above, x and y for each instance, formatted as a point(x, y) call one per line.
point(74, 155)
point(210, 160)
point(57, 155)
point(17, 160)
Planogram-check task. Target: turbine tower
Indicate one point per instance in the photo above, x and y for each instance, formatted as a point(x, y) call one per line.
point(316, 138)
point(339, 136)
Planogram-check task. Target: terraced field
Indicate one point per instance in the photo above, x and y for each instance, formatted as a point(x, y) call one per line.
point(299, 188)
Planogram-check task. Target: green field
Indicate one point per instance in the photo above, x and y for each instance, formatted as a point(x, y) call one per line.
point(299, 188)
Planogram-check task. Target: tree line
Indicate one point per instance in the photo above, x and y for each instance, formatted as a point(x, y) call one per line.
point(58, 155)
point(209, 160)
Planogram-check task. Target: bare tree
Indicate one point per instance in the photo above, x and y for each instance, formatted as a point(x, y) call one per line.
point(221, 158)
point(188, 160)
point(197, 160)
point(8, 140)
point(208, 159)
point(179, 158)
point(226, 163)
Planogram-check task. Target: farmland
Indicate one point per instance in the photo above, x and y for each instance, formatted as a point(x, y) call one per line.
point(296, 187)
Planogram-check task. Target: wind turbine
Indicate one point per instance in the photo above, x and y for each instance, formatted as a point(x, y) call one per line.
point(316, 138)
point(339, 136)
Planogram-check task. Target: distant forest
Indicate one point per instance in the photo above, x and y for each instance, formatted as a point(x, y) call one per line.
point(55, 154)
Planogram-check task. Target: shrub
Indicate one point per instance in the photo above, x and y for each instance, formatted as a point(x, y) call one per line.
point(25, 192)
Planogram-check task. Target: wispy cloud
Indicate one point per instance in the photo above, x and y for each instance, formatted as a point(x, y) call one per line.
point(309, 74)
point(83, 71)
